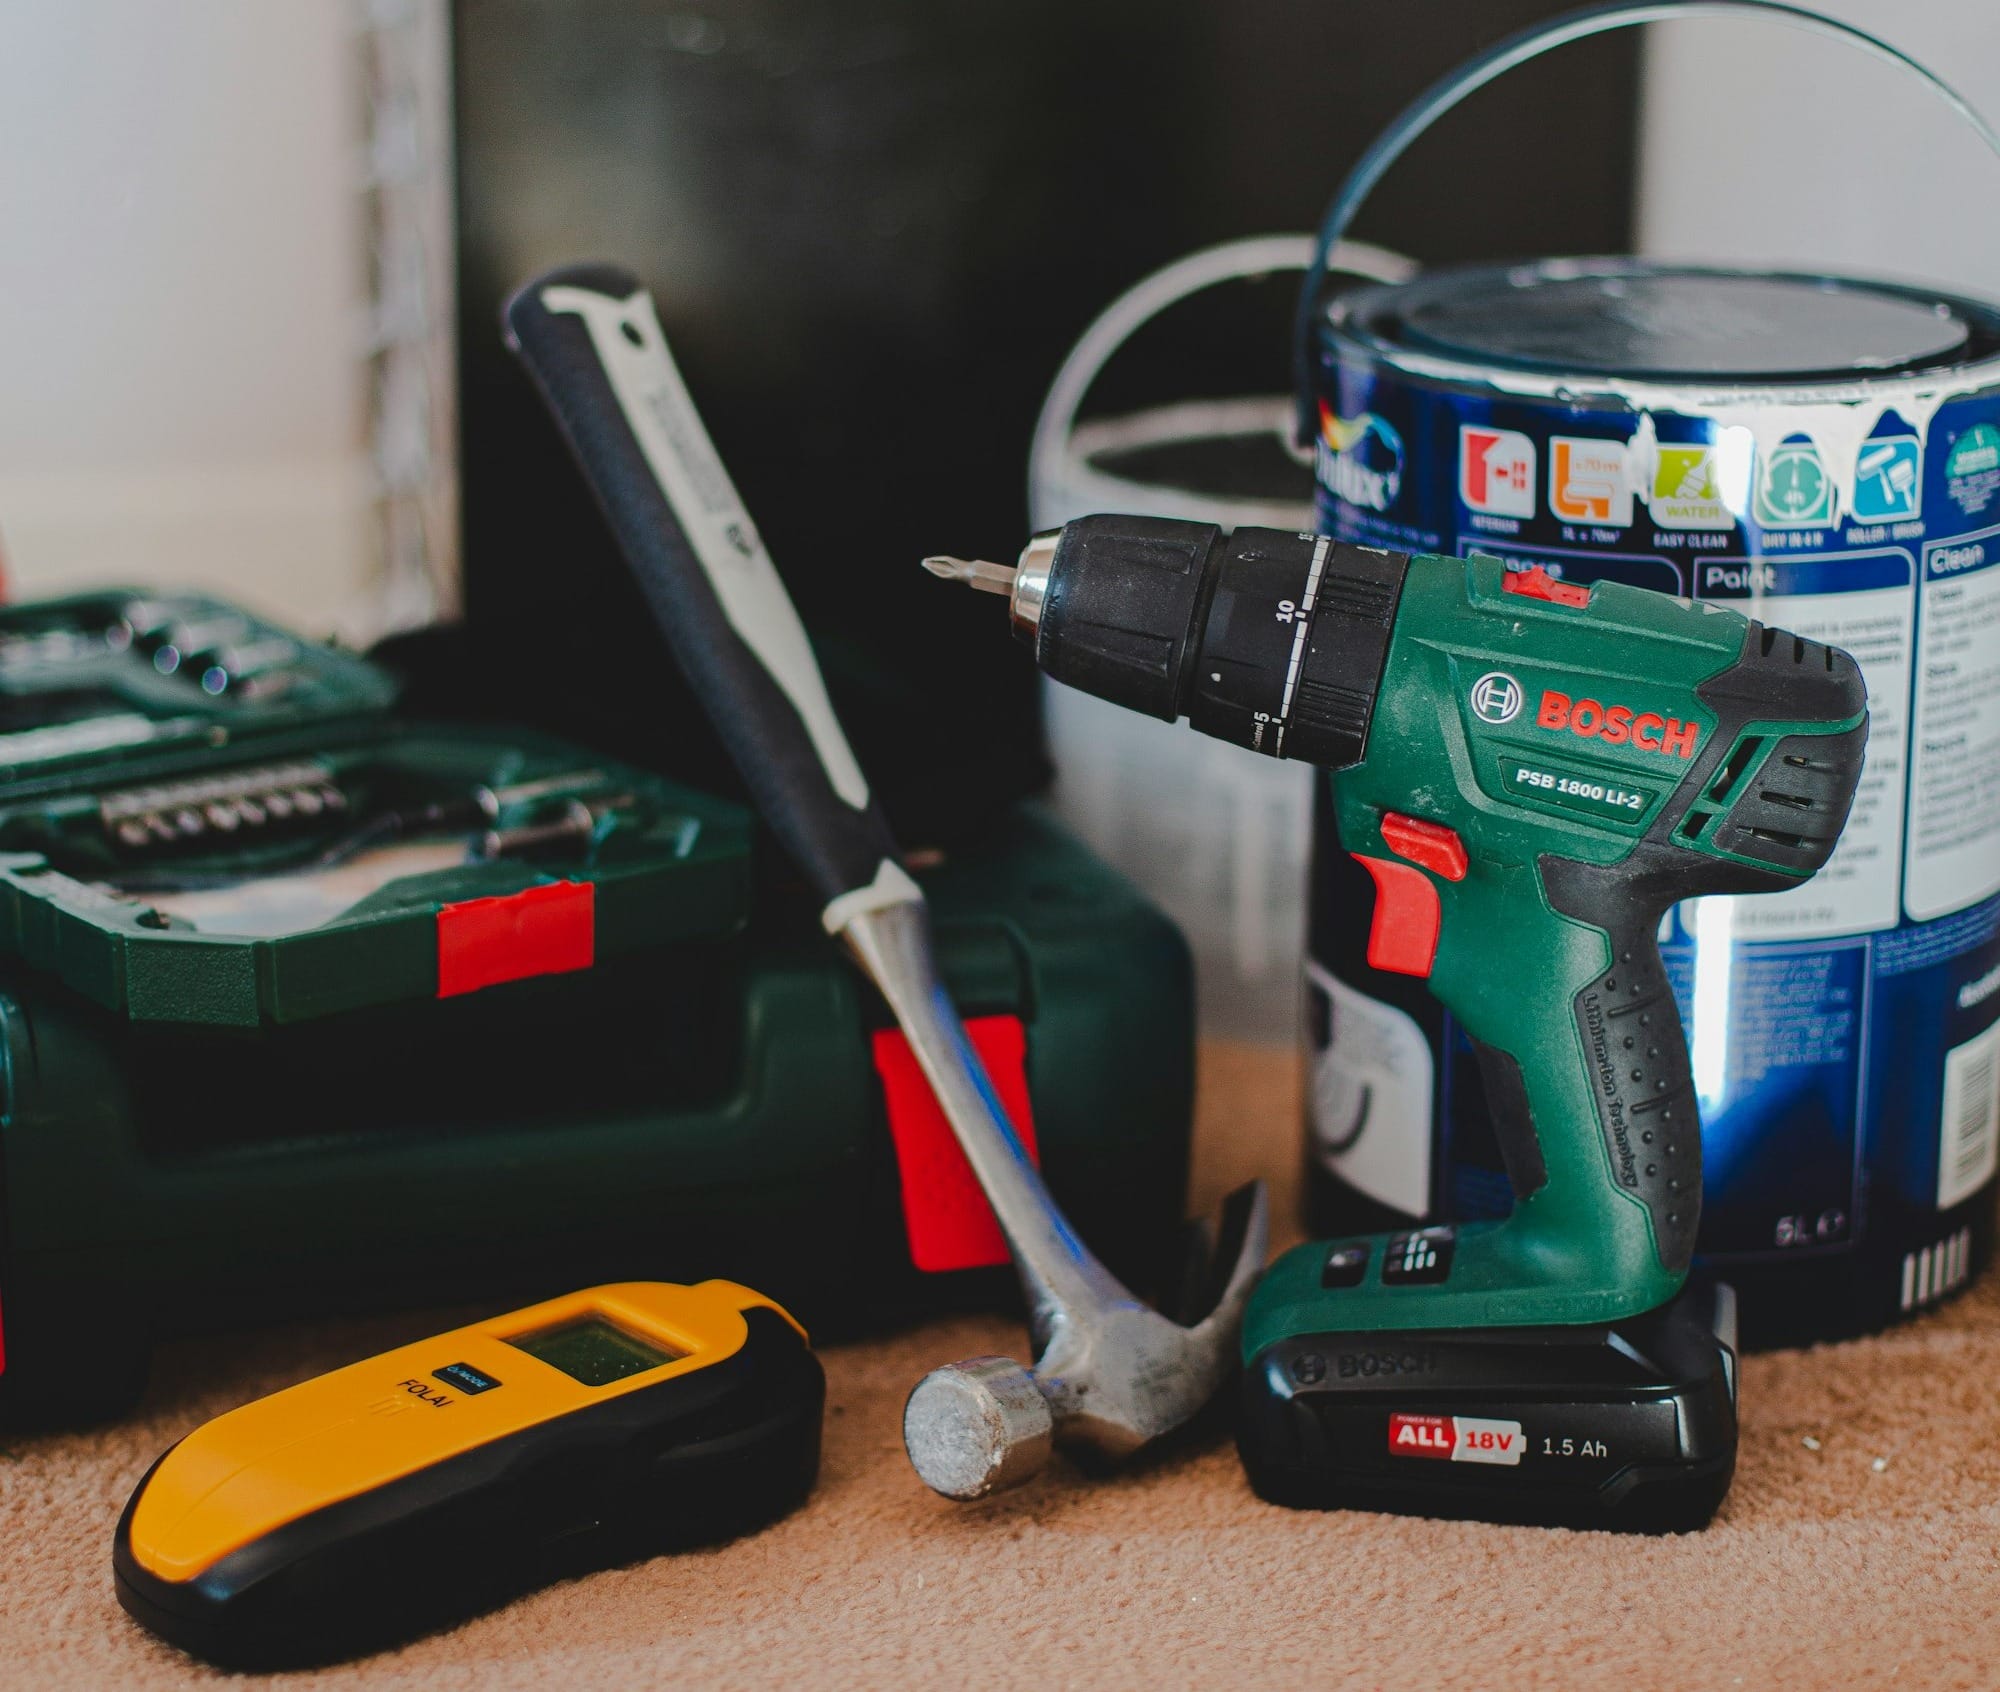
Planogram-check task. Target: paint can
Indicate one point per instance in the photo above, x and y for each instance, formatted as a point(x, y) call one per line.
point(1823, 454)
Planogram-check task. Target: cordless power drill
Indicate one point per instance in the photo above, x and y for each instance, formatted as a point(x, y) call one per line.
point(1532, 771)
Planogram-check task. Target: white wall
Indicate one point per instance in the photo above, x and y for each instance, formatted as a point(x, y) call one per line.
point(182, 293)
point(1761, 144)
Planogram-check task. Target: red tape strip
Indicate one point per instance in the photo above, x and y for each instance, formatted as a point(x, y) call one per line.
point(546, 930)
point(949, 1222)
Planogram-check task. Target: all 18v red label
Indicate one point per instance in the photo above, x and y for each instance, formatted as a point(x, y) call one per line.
point(1456, 1439)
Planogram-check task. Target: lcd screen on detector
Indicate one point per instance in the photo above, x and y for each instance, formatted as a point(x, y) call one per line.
point(595, 1351)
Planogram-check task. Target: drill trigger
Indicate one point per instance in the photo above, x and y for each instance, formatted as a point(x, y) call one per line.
point(1403, 934)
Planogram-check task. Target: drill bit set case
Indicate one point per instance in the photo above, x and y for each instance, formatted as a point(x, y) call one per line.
point(180, 847)
point(307, 1007)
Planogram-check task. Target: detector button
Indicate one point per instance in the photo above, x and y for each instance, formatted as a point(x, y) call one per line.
point(467, 1379)
point(1536, 583)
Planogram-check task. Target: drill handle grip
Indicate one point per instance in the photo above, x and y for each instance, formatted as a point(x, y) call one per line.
point(589, 337)
point(1636, 1087)
point(1553, 970)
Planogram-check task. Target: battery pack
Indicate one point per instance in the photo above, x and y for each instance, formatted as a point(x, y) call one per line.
point(1628, 1425)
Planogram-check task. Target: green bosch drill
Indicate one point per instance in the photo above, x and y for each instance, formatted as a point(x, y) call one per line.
point(1533, 772)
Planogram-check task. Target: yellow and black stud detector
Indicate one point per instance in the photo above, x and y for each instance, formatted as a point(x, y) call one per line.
point(418, 1487)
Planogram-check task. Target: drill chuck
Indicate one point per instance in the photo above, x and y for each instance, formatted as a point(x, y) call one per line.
point(1266, 638)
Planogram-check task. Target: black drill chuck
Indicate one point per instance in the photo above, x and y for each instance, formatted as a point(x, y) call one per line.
point(1270, 639)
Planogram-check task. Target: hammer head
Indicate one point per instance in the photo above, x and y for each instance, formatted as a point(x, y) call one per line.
point(1112, 1375)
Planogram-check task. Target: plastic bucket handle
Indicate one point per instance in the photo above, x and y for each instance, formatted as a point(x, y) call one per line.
point(1518, 49)
point(1231, 261)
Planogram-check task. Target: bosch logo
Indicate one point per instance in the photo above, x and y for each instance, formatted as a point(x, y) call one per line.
point(1615, 725)
point(1496, 697)
point(1369, 1364)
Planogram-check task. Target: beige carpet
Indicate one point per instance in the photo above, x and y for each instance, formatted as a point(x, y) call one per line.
point(1867, 1558)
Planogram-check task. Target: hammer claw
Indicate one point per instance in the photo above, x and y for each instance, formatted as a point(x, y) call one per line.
point(1112, 1373)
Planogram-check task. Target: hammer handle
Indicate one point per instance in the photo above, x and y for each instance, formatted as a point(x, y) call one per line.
point(590, 338)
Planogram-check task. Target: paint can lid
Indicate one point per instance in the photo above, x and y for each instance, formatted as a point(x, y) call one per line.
point(1628, 318)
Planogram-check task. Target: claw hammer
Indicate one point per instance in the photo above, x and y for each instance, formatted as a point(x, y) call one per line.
point(1111, 1373)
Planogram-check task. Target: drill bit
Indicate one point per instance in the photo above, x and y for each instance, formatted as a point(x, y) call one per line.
point(974, 572)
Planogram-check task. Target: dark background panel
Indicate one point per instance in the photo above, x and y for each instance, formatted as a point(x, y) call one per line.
point(874, 227)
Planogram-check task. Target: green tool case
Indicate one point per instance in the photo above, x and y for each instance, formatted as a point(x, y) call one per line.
point(308, 1008)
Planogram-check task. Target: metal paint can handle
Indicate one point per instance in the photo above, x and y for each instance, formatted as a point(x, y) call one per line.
point(1052, 473)
point(1518, 49)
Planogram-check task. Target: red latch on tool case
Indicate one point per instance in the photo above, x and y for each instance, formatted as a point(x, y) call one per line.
point(546, 930)
point(950, 1224)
